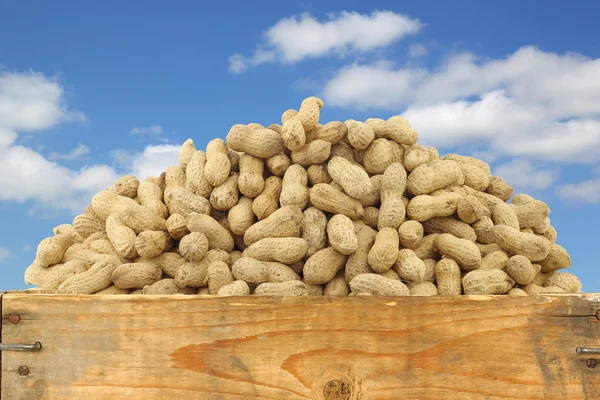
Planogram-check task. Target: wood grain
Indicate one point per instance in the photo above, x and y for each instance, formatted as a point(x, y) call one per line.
point(190, 347)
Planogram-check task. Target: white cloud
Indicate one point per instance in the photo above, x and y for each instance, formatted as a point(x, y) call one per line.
point(581, 192)
point(79, 151)
point(152, 161)
point(417, 51)
point(5, 254)
point(153, 130)
point(27, 247)
point(522, 174)
point(296, 38)
point(31, 101)
point(531, 104)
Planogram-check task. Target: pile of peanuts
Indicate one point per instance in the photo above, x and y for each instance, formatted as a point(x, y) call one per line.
point(340, 209)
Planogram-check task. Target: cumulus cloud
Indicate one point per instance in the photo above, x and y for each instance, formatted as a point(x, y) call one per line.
point(5, 254)
point(522, 174)
point(79, 151)
point(532, 103)
point(297, 38)
point(32, 102)
point(417, 50)
point(581, 192)
point(152, 161)
point(153, 130)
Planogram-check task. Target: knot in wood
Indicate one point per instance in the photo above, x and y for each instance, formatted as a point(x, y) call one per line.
point(337, 389)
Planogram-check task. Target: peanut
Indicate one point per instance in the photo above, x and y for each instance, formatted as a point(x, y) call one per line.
point(318, 174)
point(377, 285)
point(314, 230)
point(218, 237)
point(186, 152)
point(224, 197)
point(107, 202)
point(533, 289)
point(378, 156)
point(357, 262)
point(176, 226)
point(218, 275)
point(152, 243)
point(166, 286)
point(126, 186)
point(435, 175)
point(424, 289)
point(196, 274)
point(340, 231)
point(235, 288)
point(410, 234)
point(136, 275)
point(251, 182)
point(410, 267)
point(488, 281)
point(326, 198)
point(97, 278)
point(495, 260)
point(87, 224)
point(193, 246)
point(278, 164)
point(353, 179)
point(449, 225)
point(180, 201)
point(322, 266)
point(513, 241)
point(50, 278)
point(315, 152)
point(371, 216)
point(414, 156)
point(499, 188)
point(557, 258)
point(384, 252)
point(291, 288)
point(285, 222)
point(392, 211)
point(266, 203)
point(521, 270)
point(447, 276)
point(337, 286)
point(294, 190)
point(195, 180)
point(426, 249)
point(168, 262)
point(463, 251)
point(286, 250)
point(360, 135)
point(564, 280)
point(424, 207)
point(175, 177)
point(241, 217)
point(470, 209)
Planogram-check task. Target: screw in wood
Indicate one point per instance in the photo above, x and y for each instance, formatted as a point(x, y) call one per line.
point(598, 315)
point(14, 318)
point(23, 371)
point(591, 363)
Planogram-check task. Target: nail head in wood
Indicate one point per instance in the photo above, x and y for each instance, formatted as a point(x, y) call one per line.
point(23, 371)
point(14, 318)
point(591, 363)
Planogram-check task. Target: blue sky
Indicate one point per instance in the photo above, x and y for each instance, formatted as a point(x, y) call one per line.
point(91, 91)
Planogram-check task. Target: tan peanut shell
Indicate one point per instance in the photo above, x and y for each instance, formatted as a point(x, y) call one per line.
point(136, 275)
point(181, 201)
point(218, 237)
point(309, 113)
point(378, 156)
point(267, 202)
point(196, 274)
point(218, 275)
point(357, 262)
point(322, 266)
point(314, 229)
point(96, 278)
point(255, 271)
point(294, 190)
point(195, 180)
point(113, 290)
point(176, 226)
point(495, 260)
point(333, 132)
point(424, 289)
point(448, 278)
point(463, 251)
point(291, 288)
point(121, 237)
point(107, 202)
point(285, 222)
point(451, 226)
point(483, 230)
point(329, 199)
point(251, 182)
point(410, 234)
point(152, 243)
point(88, 224)
point(278, 164)
point(337, 286)
point(488, 281)
point(429, 271)
point(193, 246)
point(175, 176)
point(218, 166)
point(499, 188)
point(50, 278)
point(371, 216)
point(353, 179)
point(186, 152)
point(260, 143)
point(78, 252)
point(340, 231)
point(373, 198)
point(426, 249)
point(126, 186)
point(533, 289)
point(360, 134)
point(410, 267)
point(470, 209)
point(51, 250)
point(241, 217)
point(384, 252)
point(516, 292)
point(557, 258)
point(423, 207)
point(166, 287)
point(531, 214)
point(435, 175)
point(345, 151)
point(521, 270)
point(169, 262)
point(470, 161)
point(414, 156)
point(392, 211)
point(564, 280)
point(69, 231)
point(235, 288)
point(318, 174)
point(377, 285)
point(315, 152)
point(525, 244)
point(286, 250)
point(486, 249)
point(293, 133)
point(151, 197)
point(224, 197)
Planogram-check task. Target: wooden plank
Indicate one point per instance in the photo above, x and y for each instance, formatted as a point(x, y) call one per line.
point(187, 347)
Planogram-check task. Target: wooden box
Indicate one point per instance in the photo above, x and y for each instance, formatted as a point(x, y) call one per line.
point(193, 347)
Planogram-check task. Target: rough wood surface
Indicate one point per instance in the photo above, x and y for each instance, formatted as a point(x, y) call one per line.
point(188, 347)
